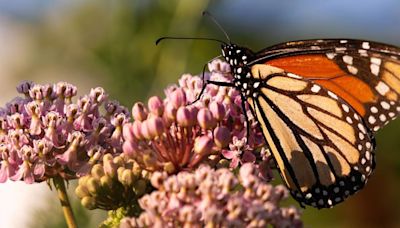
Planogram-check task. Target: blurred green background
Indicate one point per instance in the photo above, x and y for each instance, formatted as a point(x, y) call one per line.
point(111, 44)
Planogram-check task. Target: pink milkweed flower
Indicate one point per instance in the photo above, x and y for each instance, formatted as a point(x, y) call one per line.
point(174, 134)
point(45, 133)
point(214, 198)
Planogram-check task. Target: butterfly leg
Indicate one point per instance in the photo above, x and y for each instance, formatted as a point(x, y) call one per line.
point(246, 117)
point(204, 85)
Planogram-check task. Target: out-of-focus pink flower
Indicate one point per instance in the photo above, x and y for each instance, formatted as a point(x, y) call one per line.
point(173, 134)
point(214, 198)
point(44, 133)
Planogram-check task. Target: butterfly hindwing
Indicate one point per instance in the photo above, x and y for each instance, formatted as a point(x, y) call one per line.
point(322, 147)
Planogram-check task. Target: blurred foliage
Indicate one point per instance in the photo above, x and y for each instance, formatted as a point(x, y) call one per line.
point(112, 44)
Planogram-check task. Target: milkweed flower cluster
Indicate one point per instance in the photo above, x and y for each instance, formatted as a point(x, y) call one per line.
point(116, 182)
point(214, 198)
point(175, 133)
point(44, 133)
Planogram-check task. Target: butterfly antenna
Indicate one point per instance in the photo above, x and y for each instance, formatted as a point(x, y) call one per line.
point(206, 13)
point(187, 38)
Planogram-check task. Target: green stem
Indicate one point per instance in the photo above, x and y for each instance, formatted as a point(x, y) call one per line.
point(63, 197)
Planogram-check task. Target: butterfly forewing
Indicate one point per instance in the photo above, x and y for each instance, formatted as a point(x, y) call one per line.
point(365, 74)
point(322, 157)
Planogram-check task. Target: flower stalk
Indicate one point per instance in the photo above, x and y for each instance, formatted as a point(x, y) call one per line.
point(64, 200)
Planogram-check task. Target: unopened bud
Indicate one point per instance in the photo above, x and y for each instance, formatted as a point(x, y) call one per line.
point(127, 177)
point(81, 191)
point(203, 145)
point(155, 126)
point(218, 110)
point(118, 161)
point(206, 119)
point(97, 171)
point(222, 136)
point(156, 105)
point(106, 182)
point(93, 185)
point(178, 98)
point(139, 112)
point(88, 202)
point(184, 117)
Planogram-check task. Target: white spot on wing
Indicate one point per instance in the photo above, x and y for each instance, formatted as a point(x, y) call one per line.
point(368, 154)
point(382, 88)
point(352, 69)
point(340, 49)
point(293, 75)
point(361, 128)
point(382, 117)
point(345, 108)
point(376, 61)
point(365, 45)
point(348, 59)
point(363, 52)
point(332, 95)
point(330, 55)
point(315, 88)
point(371, 119)
point(385, 105)
point(374, 69)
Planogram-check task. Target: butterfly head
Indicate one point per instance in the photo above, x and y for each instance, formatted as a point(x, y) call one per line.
point(235, 55)
point(238, 58)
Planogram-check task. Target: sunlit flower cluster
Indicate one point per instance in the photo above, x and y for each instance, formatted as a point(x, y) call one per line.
point(176, 133)
point(214, 198)
point(45, 133)
point(116, 182)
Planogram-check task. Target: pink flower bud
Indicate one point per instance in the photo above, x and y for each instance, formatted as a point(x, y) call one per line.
point(222, 136)
point(184, 117)
point(145, 130)
point(155, 126)
point(178, 98)
point(137, 129)
point(130, 148)
point(206, 119)
point(203, 145)
point(170, 111)
point(156, 105)
point(218, 110)
point(139, 112)
point(127, 131)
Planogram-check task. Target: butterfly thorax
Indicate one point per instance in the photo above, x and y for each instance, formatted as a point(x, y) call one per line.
point(238, 59)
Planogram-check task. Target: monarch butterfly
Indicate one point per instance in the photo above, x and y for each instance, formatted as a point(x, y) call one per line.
point(319, 103)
